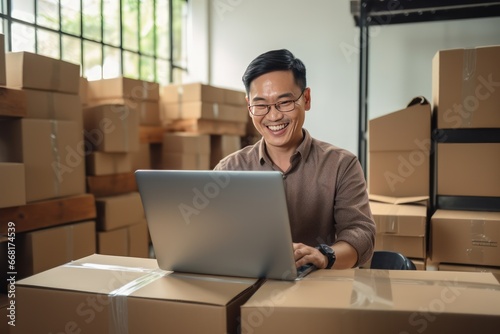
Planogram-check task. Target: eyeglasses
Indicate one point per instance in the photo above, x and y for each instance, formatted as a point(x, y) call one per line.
point(282, 106)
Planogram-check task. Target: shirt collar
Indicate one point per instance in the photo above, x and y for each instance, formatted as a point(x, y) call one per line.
point(303, 150)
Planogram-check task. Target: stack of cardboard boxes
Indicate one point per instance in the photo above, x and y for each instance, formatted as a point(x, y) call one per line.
point(205, 112)
point(399, 179)
point(42, 167)
point(453, 170)
point(115, 111)
point(465, 229)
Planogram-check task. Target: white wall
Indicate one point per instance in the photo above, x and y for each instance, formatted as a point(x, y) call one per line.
point(322, 33)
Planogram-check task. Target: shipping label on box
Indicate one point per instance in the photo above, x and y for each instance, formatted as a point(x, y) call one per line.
point(111, 128)
point(123, 88)
point(465, 237)
point(129, 295)
point(465, 88)
point(30, 70)
point(53, 154)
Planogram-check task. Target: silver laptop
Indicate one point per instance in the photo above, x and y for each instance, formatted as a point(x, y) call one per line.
point(230, 223)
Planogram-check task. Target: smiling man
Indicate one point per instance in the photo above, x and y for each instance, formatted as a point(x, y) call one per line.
point(330, 218)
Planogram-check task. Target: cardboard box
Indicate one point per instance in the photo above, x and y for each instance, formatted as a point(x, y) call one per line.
point(400, 228)
point(465, 89)
point(3, 75)
point(420, 264)
point(30, 70)
point(399, 150)
point(123, 88)
point(221, 146)
point(52, 105)
point(475, 269)
point(465, 237)
point(142, 158)
point(48, 248)
point(91, 295)
point(468, 169)
point(52, 153)
point(118, 211)
point(104, 163)
point(204, 110)
point(235, 97)
point(183, 142)
point(375, 301)
point(148, 111)
point(13, 185)
point(114, 242)
point(130, 240)
point(192, 92)
point(188, 161)
point(111, 128)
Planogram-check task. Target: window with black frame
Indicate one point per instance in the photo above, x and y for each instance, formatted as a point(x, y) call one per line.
point(140, 39)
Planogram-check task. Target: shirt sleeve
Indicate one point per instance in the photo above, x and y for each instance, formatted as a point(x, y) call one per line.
point(353, 217)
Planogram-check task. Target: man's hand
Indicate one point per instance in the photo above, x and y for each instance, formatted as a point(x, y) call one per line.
point(306, 254)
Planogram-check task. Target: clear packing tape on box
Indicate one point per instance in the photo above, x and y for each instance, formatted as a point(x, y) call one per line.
point(118, 321)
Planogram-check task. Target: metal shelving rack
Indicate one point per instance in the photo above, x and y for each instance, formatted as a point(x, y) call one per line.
point(367, 13)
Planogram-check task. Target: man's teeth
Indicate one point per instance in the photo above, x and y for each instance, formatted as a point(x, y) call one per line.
point(277, 127)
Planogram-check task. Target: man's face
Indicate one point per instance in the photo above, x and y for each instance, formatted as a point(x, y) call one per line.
point(280, 129)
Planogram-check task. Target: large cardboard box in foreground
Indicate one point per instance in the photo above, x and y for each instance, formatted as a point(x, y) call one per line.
point(465, 88)
point(109, 294)
point(377, 302)
point(399, 150)
point(465, 237)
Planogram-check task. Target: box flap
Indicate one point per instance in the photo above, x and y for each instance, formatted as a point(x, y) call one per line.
point(405, 129)
point(420, 200)
point(466, 215)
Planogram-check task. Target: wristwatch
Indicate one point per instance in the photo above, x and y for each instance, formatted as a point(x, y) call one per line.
point(329, 253)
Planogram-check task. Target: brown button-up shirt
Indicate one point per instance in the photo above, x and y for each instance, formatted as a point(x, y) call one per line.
point(325, 190)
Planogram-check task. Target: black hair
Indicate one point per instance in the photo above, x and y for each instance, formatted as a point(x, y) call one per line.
point(275, 60)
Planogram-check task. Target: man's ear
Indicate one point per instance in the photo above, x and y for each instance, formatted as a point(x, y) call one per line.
point(307, 99)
